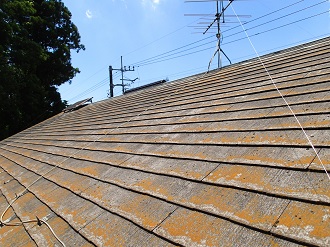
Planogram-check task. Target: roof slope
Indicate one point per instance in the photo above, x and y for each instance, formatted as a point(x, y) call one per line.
point(215, 159)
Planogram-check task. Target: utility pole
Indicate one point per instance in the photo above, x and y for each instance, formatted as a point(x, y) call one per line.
point(111, 81)
point(122, 70)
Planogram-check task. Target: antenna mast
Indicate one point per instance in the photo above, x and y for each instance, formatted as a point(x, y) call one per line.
point(219, 18)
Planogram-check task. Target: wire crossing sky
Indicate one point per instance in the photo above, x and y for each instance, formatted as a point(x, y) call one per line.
point(159, 37)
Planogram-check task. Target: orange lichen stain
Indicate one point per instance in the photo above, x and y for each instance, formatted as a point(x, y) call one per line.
point(306, 160)
point(136, 209)
point(111, 138)
point(324, 123)
point(325, 160)
point(303, 219)
point(132, 207)
point(105, 234)
point(9, 236)
point(258, 178)
point(194, 228)
point(72, 214)
point(75, 186)
point(193, 128)
point(218, 109)
point(40, 211)
point(201, 155)
point(262, 158)
point(207, 140)
point(150, 186)
point(89, 170)
point(274, 242)
point(26, 244)
point(229, 139)
point(190, 173)
point(266, 138)
point(59, 226)
point(181, 153)
point(98, 191)
point(244, 157)
point(222, 203)
point(54, 196)
point(239, 174)
point(122, 149)
point(27, 153)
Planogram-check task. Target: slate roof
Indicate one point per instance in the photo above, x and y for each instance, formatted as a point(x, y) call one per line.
point(214, 159)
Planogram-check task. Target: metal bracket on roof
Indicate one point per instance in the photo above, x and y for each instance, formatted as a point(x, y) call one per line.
point(48, 217)
point(77, 105)
point(38, 221)
point(8, 181)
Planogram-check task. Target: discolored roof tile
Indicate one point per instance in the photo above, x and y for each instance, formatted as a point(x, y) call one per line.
point(215, 159)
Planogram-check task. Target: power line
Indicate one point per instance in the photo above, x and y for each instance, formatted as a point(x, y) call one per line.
point(169, 55)
point(266, 31)
point(275, 28)
point(148, 61)
point(94, 87)
point(91, 89)
point(276, 19)
point(266, 15)
point(163, 37)
point(159, 58)
point(88, 78)
point(165, 53)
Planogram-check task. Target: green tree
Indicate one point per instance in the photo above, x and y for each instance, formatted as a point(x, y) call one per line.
point(36, 40)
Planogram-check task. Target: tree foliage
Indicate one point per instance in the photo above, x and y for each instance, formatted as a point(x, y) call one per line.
point(36, 40)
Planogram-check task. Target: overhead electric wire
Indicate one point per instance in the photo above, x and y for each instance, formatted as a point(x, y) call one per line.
point(165, 53)
point(284, 25)
point(94, 87)
point(222, 32)
point(278, 18)
point(163, 37)
point(263, 16)
point(160, 58)
point(95, 73)
point(266, 31)
point(170, 55)
point(173, 54)
point(91, 89)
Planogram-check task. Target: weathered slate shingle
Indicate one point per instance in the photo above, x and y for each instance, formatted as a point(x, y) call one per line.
point(215, 159)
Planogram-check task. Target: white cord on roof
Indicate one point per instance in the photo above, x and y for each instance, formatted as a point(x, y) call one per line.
point(69, 157)
point(37, 220)
point(286, 102)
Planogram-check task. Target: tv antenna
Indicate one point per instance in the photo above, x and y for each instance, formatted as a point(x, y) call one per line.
point(215, 25)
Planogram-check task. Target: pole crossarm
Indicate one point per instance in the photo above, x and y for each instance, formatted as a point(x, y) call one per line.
point(122, 70)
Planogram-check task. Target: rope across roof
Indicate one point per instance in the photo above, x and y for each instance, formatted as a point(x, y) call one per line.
point(215, 159)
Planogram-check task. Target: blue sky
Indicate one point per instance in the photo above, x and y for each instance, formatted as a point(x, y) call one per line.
point(161, 41)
